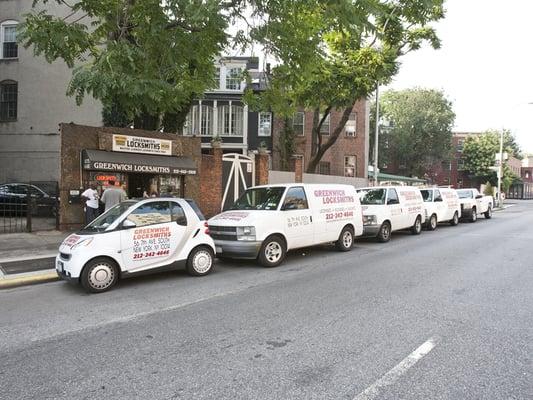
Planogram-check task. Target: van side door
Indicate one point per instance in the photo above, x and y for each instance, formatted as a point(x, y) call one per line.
point(395, 208)
point(297, 218)
point(441, 206)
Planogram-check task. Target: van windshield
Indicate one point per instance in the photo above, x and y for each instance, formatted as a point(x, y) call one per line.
point(266, 198)
point(427, 195)
point(464, 194)
point(103, 222)
point(372, 196)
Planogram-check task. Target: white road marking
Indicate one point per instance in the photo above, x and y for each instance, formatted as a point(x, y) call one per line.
point(394, 374)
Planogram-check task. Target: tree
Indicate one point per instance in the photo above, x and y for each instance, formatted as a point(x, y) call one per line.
point(420, 128)
point(145, 59)
point(333, 53)
point(479, 152)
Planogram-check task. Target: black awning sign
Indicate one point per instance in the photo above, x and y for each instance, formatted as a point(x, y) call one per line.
point(139, 168)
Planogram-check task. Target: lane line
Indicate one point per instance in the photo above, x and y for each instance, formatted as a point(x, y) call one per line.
point(395, 373)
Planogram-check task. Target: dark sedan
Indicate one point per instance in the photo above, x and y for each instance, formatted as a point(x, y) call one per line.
point(14, 200)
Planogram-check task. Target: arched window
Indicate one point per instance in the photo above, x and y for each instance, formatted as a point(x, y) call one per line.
point(8, 100)
point(8, 39)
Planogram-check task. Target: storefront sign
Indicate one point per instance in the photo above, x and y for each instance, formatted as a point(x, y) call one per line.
point(136, 144)
point(142, 168)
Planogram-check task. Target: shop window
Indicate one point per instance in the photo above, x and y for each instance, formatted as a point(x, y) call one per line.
point(233, 79)
point(8, 39)
point(324, 168)
point(298, 121)
point(178, 215)
point(230, 120)
point(324, 129)
point(151, 213)
point(295, 199)
point(265, 124)
point(350, 166)
point(8, 100)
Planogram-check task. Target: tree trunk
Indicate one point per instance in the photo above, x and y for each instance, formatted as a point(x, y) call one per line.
point(322, 148)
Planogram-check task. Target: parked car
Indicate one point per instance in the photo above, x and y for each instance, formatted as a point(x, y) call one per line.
point(474, 203)
point(136, 236)
point(391, 208)
point(267, 221)
point(14, 200)
point(440, 205)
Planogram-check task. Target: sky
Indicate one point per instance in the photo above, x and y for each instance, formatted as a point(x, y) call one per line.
point(485, 66)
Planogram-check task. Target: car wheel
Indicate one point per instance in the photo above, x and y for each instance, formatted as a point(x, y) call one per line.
point(473, 216)
point(455, 220)
point(417, 226)
point(99, 275)
point(345, 241)
point(384, 232)
point(200, 261)
point(488, 213)
point(432, 223)
point(272, 251)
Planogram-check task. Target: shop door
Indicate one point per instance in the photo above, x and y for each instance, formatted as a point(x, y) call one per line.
point(138, 184)
point(238, 174)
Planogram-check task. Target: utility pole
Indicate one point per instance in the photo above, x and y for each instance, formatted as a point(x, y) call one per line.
point(376, 144)
point(500, 171)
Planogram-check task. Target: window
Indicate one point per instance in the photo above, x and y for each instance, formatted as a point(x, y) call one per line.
point(323, 168)
point(8, 100)
point(230, 120)
point(265, 123)
point(295, 199)
point(527, 175)
point(460, 185)
point(233, 79)
point(151, 213)
point(351, 124)
point(392, 197)
point(199, 121)
point(324, 129)
point(438, 196)
point(446, 165)
point(265, 198)
point(460, 164)
point(298, 120)
point(427, 195)
point(178, 215)
point(460, 145)
point(372, 196)
point(196, 210)
point(350, 166)
point(8, 39)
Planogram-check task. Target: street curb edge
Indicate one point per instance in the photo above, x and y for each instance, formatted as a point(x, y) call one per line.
point(8, 283)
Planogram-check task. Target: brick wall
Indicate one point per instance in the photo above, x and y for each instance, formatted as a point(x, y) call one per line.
point(211, 183)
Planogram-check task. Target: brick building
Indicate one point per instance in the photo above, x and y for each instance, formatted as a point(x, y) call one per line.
point(347, 157)
point(526, 173)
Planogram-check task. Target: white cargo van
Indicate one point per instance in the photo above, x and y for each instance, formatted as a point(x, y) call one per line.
point(267, 221)
point(440, 205)
point(391, 208)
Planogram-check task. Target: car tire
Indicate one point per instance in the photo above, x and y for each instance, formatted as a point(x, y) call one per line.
point(417, 226)
point(432, 224)
point(200, 261)
point(272, 252)
point(488, 213)
point(99, 275)
point(473, 215)
point(455, 220)
point(346, 239)
point(384, 232)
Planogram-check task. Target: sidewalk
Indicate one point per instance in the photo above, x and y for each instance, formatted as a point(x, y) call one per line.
point(28, 257)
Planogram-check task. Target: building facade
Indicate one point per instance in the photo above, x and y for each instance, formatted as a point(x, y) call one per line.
point(33, 102)
point(347, 157)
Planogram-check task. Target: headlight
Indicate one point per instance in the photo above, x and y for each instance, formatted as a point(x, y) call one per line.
point(246, 233)
point(84, 242)
point(370, 220)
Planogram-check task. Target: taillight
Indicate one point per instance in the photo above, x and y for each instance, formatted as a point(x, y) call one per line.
point(206, 228)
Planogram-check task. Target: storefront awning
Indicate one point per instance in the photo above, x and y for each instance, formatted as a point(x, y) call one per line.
point(99, 160)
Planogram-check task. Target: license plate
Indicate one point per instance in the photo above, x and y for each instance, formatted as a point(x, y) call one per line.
point(218, 249)
point(60, 266)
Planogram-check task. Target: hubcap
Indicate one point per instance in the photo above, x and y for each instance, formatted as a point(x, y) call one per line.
point(418, 225)
point(433, 222)
point(101, 276)
point(386, 231)
point(202, 261)
point(347, 239)
point(273, 252)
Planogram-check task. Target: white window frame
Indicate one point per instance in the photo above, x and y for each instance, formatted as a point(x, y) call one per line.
point(221, 120)
point(354, 165)
point(3, 26)
point(350, 124)
point(227, 77)
point(328, 121)
point(259, 130)
point(303, 122)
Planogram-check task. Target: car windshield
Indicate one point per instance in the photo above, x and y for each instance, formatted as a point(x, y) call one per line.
point(266, 198)
point(372, 196)
point(427, 195)
point(103, 222)
point(464, 194)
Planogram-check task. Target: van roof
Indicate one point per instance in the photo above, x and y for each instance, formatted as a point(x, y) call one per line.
point(302, 184)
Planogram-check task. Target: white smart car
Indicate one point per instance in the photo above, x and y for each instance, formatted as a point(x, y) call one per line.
point(136, 236)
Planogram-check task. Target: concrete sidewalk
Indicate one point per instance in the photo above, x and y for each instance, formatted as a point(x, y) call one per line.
point(28, 257)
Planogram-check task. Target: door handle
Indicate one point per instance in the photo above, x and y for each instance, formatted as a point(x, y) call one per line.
point(311, 218)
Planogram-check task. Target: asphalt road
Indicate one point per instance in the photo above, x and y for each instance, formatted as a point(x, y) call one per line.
point(446, 315)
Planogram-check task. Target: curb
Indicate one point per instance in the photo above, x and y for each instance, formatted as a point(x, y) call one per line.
point(49, 275)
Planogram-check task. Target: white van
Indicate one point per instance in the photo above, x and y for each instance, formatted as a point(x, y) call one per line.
point(267, 221)
point(391, 208)
point(440, 205)
point(137, 236)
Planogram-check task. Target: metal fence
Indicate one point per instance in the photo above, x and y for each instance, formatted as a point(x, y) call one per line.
point(29, 206)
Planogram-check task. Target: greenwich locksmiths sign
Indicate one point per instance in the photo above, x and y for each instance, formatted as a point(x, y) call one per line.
point(138, 167)
point(136, 144)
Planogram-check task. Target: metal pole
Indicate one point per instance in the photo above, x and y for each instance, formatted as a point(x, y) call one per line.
point(500, 171)
point(376, 144)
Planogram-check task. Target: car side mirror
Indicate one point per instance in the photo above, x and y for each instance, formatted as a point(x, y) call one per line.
point(127, 224)
point(479, 196)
